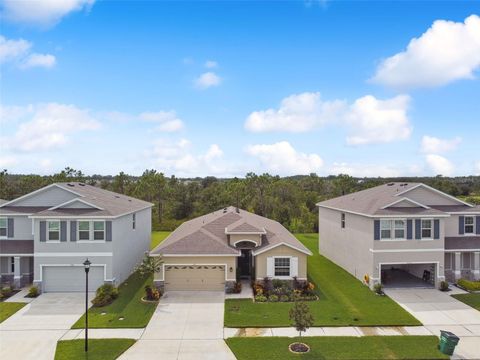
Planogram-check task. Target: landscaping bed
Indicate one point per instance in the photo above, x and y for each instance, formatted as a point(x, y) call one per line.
point(472, 300)
point(338, 348)
point(7, 309)
point(342, 301)
point(470, 286)
point(98, 349)
point(126, 311)
point(283, 291)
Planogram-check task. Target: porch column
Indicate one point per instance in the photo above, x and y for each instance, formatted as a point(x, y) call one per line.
point(17, 275)
point(456, 270)
point(476, 265)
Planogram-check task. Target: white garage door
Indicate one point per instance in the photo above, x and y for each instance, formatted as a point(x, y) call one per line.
point(71, 278)
point(194, 277)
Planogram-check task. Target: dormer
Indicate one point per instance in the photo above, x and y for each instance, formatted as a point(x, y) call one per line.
point(242, 235)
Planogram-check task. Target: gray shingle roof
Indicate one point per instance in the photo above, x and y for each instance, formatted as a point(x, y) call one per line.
point(206, 235)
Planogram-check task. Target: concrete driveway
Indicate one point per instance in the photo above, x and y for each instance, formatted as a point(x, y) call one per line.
point(439, 311)
point(32, 332)
point(186, 325)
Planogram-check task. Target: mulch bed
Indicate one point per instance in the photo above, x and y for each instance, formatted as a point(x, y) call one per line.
point(298, 348)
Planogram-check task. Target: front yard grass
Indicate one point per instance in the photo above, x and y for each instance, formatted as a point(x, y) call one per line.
point(158, 237)
point(338, 348)
point(343, 301)
point(128, 305)
point(7, 309)
point(98, 349)
point(472, 300)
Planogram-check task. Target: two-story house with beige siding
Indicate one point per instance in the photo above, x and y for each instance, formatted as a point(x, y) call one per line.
point(401, 235)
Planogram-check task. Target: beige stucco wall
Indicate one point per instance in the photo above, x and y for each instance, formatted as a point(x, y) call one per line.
point(229, 261)
point(282, 250)
point(348, 247)
point(239, 237)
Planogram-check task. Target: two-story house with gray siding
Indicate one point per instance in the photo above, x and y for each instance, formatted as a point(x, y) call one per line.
point(401, 235)
point(46, 235)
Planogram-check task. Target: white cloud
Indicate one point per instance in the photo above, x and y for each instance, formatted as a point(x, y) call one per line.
point(167, 120)
point(49, 126)
point(39, 60)
point(297, 113)
point(446, 52)
point(365, 170)
point(7, 161)
point(378, 121)
point(477, 167)
point(42, 12)
point(368, 119)
point(210, 64)
point(207, 80)
point(433, 145)
point(439, 165)
point(282, 159)
point(19, 53)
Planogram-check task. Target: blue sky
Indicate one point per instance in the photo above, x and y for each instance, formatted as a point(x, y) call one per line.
point(224, 88)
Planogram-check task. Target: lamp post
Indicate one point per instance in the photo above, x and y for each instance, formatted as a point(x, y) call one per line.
point(86, 264)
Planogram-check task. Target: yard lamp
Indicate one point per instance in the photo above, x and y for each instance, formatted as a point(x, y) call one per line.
point(86, 264)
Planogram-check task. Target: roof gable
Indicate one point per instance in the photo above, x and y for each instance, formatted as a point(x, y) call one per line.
point(76, 204)
point(50, 195)
point(430, 196)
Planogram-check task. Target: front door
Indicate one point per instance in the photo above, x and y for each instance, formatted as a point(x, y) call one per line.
point(245, 263)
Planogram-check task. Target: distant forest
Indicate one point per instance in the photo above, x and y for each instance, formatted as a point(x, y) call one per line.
point(289, 200)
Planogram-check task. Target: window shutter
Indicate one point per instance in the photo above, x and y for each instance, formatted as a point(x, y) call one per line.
point(477, 220)
point(293, 266)
point(436, 229)
point(270, 267)
point(43, 231)
point(63, 231)
point(418, 229)
point(108, 230)
point(409, 229)
point(376, 229)
point(10, 225)
point(461, 225)
point(73, 230)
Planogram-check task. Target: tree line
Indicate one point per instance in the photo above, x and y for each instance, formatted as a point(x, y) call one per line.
point(289, 200)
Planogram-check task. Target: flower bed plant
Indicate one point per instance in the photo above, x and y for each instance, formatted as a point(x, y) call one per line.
point(151, 294)
point(277, 290)
point(468, 285)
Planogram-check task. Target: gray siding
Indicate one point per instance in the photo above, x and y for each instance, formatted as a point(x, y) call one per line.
point(22, 228)
point(429, 197)
point(50, 197)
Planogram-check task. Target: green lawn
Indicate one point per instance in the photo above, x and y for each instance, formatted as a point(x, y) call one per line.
point(7, 309)
point(472, 300)
point(128, 305)
point(158, 237)
point(338, 348)
point(98, 349)
point(343, 301)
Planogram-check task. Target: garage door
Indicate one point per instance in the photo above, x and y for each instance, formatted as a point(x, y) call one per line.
point(194, 277)
point(71, 278)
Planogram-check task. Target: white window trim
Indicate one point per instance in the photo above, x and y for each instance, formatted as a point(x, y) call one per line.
point(104, 231)
point(392, 230)
point(283, 277)
point(472, 225)
point(91, 232)
point(48, 231)
point(6, 228)
point(431, 229)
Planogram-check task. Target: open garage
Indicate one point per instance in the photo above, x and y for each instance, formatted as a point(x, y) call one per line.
point(408, 275)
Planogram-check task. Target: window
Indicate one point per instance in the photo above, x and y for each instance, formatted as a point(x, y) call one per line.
point(3, 227)
point(99, 230)
point(54, 230)
point(399, 229)
point(134, 219)
point(12, 264)
point(466, 261)
point(282, 266)
point(84, 230)
point(385, 229)
point(426, 229)
point(392, 229)
point(342, 220)
point(468, 225)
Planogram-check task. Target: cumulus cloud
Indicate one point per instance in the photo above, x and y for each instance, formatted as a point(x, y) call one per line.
point(210, 64)
point(446, 52)
point(49, 126)
point(282, 159)
point(364, 170)
point(42, 12)
point(439, 165)
point(434, 145)
point(19, 53)
point(368, 119)
point(167, 120)
point(7, 161)
point(207, 80)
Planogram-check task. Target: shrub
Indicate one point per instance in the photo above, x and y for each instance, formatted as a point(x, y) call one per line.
point(273, 298)
point(267, 285)
point(105, 295)
point(278, 283)
point(443, 286)
point(284, 298)
point(33, 292)
point(378, 288)
point(237, 288)
point(469, 285)
point(258, 288)
point(260, 298)
point(7, 291)
point(152, 294)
